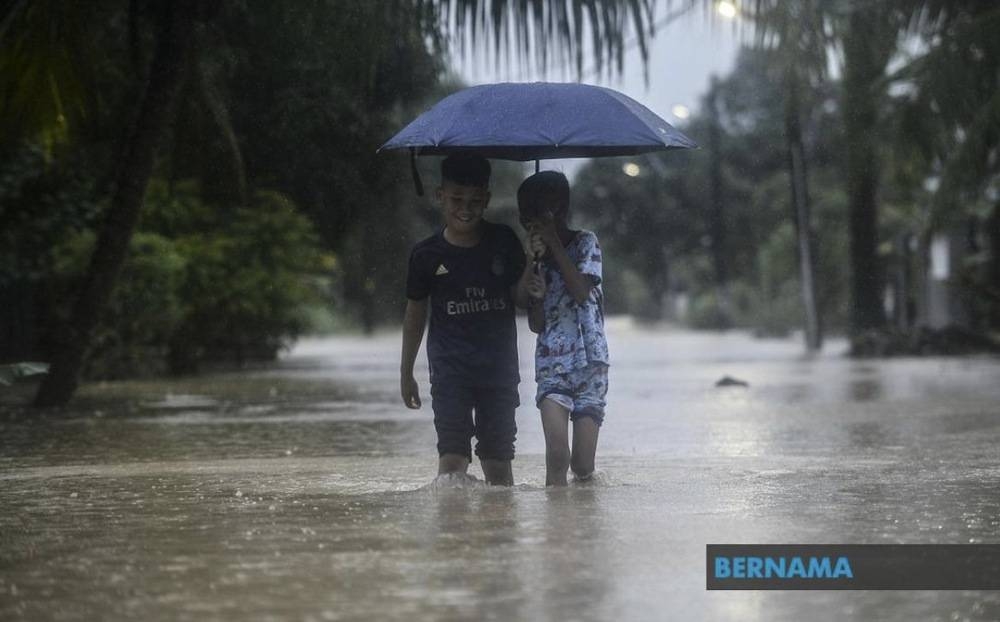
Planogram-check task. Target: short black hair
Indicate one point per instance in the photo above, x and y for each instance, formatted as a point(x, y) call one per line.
point(466, 170)
point(544, 184)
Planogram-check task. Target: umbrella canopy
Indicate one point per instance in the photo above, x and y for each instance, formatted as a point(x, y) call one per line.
point(538, 121)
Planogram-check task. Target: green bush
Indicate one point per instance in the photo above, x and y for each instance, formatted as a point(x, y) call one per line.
point(707, 313)
point(41, 205)
point(639, 300)
point(780, 314)
point(144, 311)
point(200, 284)
point(247, 286)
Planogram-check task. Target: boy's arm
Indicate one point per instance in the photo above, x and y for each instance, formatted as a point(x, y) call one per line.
point(579, 285)
point(527, 287)
point(521, 291)
point(414, 322)
point(536, 317)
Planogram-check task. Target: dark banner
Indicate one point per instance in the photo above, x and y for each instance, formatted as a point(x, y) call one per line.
point(853, 567)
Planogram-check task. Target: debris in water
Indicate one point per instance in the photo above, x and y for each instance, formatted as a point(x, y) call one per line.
point(729, 381)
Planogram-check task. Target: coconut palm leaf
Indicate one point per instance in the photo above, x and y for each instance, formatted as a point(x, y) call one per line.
point(44, 59)
point(546, 32)
point(957, 86)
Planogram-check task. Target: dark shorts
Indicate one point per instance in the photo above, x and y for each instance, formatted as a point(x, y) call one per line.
point(461, 412)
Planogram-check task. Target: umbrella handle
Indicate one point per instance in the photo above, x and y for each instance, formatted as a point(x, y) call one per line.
point(417, 184)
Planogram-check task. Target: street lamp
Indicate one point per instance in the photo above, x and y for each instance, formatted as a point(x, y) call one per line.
point(631, 169)
point(726, 9)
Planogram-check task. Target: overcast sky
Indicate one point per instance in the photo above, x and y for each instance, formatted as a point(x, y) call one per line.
point(683, 56)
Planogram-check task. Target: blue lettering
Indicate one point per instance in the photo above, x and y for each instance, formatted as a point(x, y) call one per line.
point(775, 567)
point(739, 567)
point(796, 568)
point(819, 568)
point(782, 568)
point(722, 568)
point(843, 568)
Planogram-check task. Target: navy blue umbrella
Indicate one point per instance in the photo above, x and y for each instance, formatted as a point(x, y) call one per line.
point(538, 121)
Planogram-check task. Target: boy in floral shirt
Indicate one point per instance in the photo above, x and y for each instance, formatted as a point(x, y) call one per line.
point(571, 355)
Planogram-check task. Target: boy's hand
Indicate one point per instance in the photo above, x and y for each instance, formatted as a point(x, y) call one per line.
point(409, 391)
point(545, 229)
point(536, 245)
point(536, 284)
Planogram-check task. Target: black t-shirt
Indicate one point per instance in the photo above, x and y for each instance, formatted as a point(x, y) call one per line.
point(472, 338)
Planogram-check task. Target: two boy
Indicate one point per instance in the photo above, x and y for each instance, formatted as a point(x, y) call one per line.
point(468, 277)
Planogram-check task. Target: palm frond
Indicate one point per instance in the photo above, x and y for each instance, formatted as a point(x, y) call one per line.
point(44, 59)
point(972, 162)
point(548, 33)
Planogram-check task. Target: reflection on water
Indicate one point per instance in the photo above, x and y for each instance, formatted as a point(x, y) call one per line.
point(869, 435)
point(865, 389)
point(305, 491)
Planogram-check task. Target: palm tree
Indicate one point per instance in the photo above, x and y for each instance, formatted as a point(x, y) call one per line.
point(961, 60)
point(869, 39)
point(716, 215)
point(797, 33)
point(866, 36)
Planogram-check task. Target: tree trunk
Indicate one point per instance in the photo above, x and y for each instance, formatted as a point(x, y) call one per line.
point(993, 234)
point(111, 249)
point(717, 222)
point(798, 178)
point(863, 71)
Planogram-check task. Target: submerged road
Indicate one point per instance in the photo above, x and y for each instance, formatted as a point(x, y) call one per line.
point(305, 491)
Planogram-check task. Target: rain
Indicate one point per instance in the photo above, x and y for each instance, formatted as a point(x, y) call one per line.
point(208, 220)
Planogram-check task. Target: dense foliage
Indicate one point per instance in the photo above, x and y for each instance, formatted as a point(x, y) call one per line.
point(267, 201)
point(657, 227)
point(268, 210)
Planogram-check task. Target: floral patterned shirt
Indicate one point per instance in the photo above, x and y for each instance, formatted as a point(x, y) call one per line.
point(573, 337)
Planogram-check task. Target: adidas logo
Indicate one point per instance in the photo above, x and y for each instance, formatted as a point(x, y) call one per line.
point(441, 270)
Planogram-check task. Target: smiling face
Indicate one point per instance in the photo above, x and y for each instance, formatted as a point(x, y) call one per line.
point(463, 207)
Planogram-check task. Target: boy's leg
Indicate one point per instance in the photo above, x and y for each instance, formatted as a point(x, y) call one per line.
point(587, 416)
point(497, 472)
point(585, 431)
point(452, 407)
point(554, 421)
point(496, 431)
point(452, 463)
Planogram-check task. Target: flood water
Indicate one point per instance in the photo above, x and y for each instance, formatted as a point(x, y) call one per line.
point(305, 491)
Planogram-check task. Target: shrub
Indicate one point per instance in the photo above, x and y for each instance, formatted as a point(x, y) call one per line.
point(144, 311)
point(247, 285)
point(200, 284)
